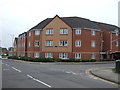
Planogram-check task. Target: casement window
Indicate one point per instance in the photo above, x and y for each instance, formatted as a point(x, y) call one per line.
point(78, 31)
point(37, 32)
point(49, 31)
point(36, 43)
point(93, 56)
point(29, 33)
point(77, 56)
point(63, 55)
point(93, 44)
point(28, 44)
point(49, 43)
point(78, 43)
point(36, 55)
point(116, 43)
point(63, 31)
point(48, 55)
point(63, 43)
point(93, 33)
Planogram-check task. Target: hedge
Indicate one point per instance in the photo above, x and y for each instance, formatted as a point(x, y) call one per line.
point(25, 58)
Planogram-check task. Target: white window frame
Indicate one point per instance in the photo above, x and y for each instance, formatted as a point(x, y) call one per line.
point(64, 31)
point(36, 43)
point(63, 55)
point(78, 31)
point(29, 34)
point(49, 31)
point(116, 32)
point(93, 44)
point(37, 32)
point(36, 54)
point(93, 32)
point(48, 55)
point(77, 56)
point(63, 43)
point(93, 56)
point(78, 43)
point(49, 43)
point(116, 43)
point(29, 44)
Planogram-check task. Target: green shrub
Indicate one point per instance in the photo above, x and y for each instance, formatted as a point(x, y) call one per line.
point(107, 60)
point(12, 57)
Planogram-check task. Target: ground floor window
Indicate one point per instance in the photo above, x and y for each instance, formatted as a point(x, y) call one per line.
point(77, 56)
point(63, 55)
point(36, 55)
point(93, 56)
point(48, 55)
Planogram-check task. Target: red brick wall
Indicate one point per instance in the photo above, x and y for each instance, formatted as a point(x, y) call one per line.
point(32, 39)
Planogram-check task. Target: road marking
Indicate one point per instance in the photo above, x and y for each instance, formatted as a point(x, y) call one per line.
point(67, 72)
point(6, 69)
point(16, 69)
point(39, 81)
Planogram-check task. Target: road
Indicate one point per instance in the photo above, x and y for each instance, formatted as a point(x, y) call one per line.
point(17, 74)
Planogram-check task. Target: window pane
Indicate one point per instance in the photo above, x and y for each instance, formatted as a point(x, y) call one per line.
point(37, 32)
point(63, 31)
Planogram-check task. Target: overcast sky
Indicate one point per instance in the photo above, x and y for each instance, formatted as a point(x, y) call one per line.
point(18, 16)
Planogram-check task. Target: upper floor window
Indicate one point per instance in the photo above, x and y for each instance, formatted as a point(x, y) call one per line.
point(93, 33)
point(37, 32)
point(93, 56)
point(28, 44)
point(48, 55)
point(36, 43)
point(116, 43)
point(63, 43)
point(78, 31)
point(117, 32)
point(78, 43)
point(63, 31)
point(93, 44)
point(36, 55)
point(77, 56)
point(29, 33)
point(49, 31)
point(49, 43)
point(63, 55)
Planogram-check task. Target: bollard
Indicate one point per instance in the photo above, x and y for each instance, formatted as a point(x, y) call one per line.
point(117, 66)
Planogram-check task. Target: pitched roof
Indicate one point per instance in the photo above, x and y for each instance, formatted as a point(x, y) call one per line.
point(109, 27)
point(77, 22)
point(74, 22)
point(42, 24)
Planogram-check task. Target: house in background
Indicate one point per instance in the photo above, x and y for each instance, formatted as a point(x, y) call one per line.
point(10, 51)
point(69, 37)
point(15, 44)
point(3, 51)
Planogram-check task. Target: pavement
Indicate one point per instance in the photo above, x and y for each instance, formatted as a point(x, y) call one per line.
point(106, 74)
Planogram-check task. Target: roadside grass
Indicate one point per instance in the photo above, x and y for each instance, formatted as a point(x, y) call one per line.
point(114, 70)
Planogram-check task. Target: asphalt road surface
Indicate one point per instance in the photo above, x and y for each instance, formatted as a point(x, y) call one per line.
point(17, 74)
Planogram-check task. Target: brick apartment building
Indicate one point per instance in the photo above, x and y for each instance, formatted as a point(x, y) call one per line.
point(69, 37)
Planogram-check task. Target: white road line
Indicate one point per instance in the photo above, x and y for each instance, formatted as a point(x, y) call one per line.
point(67, 72)
point(16, 69)
point(39, 81)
